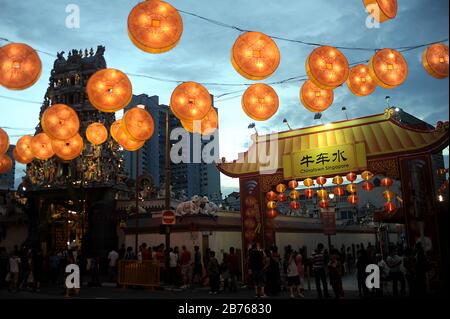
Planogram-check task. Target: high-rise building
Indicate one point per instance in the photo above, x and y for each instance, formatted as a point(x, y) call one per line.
point(7, 179)
point(189, 177)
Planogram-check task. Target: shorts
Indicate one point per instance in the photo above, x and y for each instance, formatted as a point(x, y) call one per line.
point(258, 278)
point(293, 281)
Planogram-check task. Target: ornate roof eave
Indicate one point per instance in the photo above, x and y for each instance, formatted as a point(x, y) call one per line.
point(413, 141)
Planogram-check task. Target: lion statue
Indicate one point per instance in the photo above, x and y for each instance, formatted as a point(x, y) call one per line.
point(191, 207)
point(208, 208)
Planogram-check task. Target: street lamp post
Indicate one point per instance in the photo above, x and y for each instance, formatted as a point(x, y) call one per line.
point(167, 189)
point(136, 238)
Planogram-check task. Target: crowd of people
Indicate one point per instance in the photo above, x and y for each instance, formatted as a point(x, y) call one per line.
point(266, 271)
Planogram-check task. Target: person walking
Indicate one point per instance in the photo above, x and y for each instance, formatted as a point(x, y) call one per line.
point(361, 264)
point(186, 267)
point(335, 273)
point(213, 273)
point(198, 268)
point(255, 268)
point(301, 272)
point(293, 278)
point(394, 261)
point(173, 264)
point(14, 269)
point(113, 256)
point(233, 262)
point(318, 265)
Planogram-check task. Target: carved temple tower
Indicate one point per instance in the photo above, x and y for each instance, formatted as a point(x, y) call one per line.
point(72, 202)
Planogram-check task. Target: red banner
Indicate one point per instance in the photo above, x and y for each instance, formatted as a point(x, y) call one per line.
point(329, 221)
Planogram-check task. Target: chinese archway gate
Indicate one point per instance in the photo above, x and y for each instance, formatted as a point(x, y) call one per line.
point(393, 144)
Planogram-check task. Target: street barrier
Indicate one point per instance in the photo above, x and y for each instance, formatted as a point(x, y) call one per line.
point(139, 273)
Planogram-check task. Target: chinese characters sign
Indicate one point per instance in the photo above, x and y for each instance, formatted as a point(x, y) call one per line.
point(329, 221)
point(325, 161)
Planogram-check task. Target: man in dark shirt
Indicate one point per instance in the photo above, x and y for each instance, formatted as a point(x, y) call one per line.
point(256, 260)
point(318, 265)
point(233, 266)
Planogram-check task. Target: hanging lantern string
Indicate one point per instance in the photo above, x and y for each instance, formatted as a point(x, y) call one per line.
point(315, 44)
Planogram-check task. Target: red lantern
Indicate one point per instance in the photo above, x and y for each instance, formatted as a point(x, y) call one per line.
point(366, 175)
point(327, 67)
point(260, 102)
point(387, 182)
point(321, 180)
point(20, 66)
point(308, 182)
point(351, 177)
point(109, 90)
point(435, 60)
point(338, 180)
point(338, 191)
point(271, 213)
point(255, 55)
point(295, 194)
point(353, 199)
point(388, 68)
point(293, 184)
point(272, 205)
point(190, 101)
point(60, 122)
point(382, 10)
point(351, 188)
point(5, 164)
point(155, 26)
point(390, 207)
point(309, 193)
point(322, 193)
point(294, 205)
point(4, 141)
point(360, 82)
point(323, 203)
point(315, 99)
point(138, 124)
point(270, 196)
point(281, 198)
point(367, 186)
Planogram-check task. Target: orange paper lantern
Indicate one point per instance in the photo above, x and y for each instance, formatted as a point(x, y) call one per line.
point(190, 101)
point(382, 10)
point(315, 99)
point(293, 184)
point(119, 135)
point(351, 188)
point(295, 194)
point(338, 191)
point(23, 149)
point(388, 195)
point(271, 205)
point(338, 180)
point(321, 180)
point(206, 126)
point(360, 82)
point(388, 68)
point(260, 102)
point(281, 188)
point(138, 124)
point(20, 159)
point(96, 133)
point(366, 175)
point(353, 199)
point(69, 149)
point(155, 26)
point(41, 146)
point(109, 90)
point(20, 66)
point(322, 193)
point(327, 67)
point(255, 55)
point(435, 60)
point(294, 205)
point(324, 203)
point(4, 141)
point(308, 182)
point(281, 198)
point(270, 196)
point(60, 122)
point(309, 193)
point(271, 213)
point(367, 186)
point(351, 177)
point(5, 164)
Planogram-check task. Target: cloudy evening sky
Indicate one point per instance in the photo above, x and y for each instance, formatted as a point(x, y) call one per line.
point(203, 55)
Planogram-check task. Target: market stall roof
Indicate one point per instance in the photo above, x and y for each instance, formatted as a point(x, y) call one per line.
point(384, 135)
